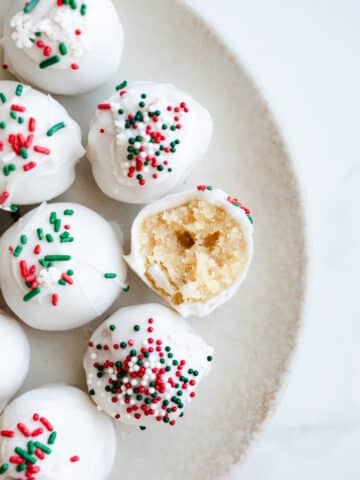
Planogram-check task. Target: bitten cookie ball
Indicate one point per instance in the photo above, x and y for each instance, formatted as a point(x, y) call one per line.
point(145, 140)
point(65, 47)
point(193, 248)
point(61, 266)
point(14, 357)
point(144, 365)
point(40, 145)
point(54, 432)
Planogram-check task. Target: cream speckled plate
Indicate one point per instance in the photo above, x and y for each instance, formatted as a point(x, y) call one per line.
point(254, 333)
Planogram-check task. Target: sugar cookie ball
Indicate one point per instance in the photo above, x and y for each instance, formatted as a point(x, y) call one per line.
point(54, 432)
point(40, 145)
point(193, 248)
point(14, 357)
point(145, 140)
point(65, 47)
point(61, 266)
point(144, 365)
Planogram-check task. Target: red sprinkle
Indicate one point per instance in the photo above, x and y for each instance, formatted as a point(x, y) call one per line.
point(47, 424)
point(104, 106)
point(32, 124)
point(75, 66)
point(37, 249)
point(23, 429)
point(67, 278)
point(37, 432)
point(3, 197)
point(16, 460)
point(17, 108)
point(7, 433)
point(43, 150)
point(74, 458)
point(29, 166)
point(40, 454)
point(54, 299)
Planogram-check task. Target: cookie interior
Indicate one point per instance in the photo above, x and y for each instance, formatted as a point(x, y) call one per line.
point(192, 252)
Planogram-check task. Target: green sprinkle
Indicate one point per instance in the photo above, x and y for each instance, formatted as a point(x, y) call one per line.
point(23, 239)
point(250, 219)
point(22, 453)
point(68, 212)
point(2, 125)
point(142, 428)
point(137, 328)
point(70, 273)
point(52, 217)
point(43, 447)
point(21, 468)
point(209, 358)
point(30, 6)
point(112, 327)
point(57, 258)
point(73, 4)
point(14, 208)
point(63, 48)
point(49, 62)
point(29, 296)
point(4, 468)
point(126, 289)
point(21, 120)
point(31, 447)
point(3, 97)
point(142, 104)
point(66, 240)
point(209, 187)
point(57, 225)
point(19, 90)
point(52, 438)
point(18, 250)
point(83, 9)
point(40, 233)
point(49, 238)
point(13, 115)
point(123, 344)
point(92, 392)
point(110, 275)
point(24, 152)
point(120, 111)
point(121, 85)
point(55, 128)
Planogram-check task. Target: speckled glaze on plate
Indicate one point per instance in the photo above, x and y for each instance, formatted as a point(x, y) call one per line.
point(254, 334)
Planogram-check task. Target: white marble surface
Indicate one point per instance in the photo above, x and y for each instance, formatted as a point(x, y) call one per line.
point(305, 58)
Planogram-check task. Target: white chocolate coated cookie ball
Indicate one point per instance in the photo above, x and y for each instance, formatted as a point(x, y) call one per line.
point(193, 248)
point(145, 140)
point(65, 47)
point(14, 357)
point(61, 266)
point(144, 365)
point(54, 432)
point(40, 145)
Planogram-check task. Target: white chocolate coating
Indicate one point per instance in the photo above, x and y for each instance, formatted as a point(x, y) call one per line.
point(85, 443)
point(136, 259)
point(162, 154)
point(35, 166)
point(177, 356)
point(49, 293)
point(14, 357)
point(86, 43)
